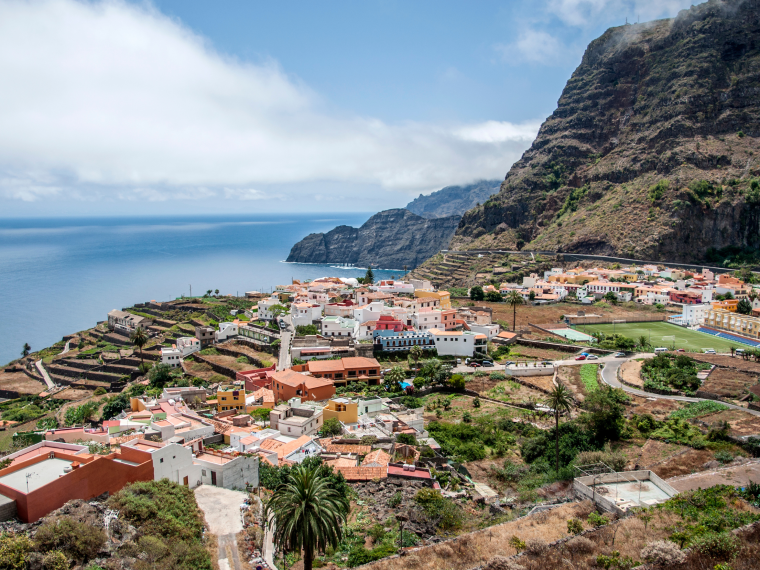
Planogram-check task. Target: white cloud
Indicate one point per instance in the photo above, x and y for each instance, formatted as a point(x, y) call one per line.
point(113, 100)
point(533, 46)
point(590, 12)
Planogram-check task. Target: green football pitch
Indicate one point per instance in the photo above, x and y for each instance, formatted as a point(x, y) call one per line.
point(661, 335)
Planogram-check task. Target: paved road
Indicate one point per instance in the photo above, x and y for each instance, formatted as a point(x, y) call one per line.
point(221, 508)
point(609, 375)
point(45, 374)
point(286, 339)
point(66, 348)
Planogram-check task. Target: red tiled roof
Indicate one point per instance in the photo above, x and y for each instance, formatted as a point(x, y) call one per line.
point(363, 473)
point(416, 474)
point(378, 456)
point(346, 448)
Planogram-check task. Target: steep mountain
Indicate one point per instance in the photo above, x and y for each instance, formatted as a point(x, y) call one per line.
point(652, 151)
point(453, 200)
point(388, 240)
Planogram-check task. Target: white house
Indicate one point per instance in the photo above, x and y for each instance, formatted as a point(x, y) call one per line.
point(228, 471)
point(170, 461)
point(694, 314)
point(127, 322)
point(369, 312)
point(226, 331)
point(188, 345)
point(265, 307)
point(171, 356)
point(245, 441)
point(426, 319)
point(305, 313)
point(393, 287)
point(458, 343)
point(489, 330)
point(339, 326)
point(295, 419)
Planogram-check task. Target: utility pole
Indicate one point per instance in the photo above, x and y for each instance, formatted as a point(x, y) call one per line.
point(191, 291)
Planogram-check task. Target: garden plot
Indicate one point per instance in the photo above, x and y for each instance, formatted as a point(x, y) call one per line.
point(729, 383)
point(742, 423)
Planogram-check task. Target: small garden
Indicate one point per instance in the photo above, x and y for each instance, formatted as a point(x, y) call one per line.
point(670, 374)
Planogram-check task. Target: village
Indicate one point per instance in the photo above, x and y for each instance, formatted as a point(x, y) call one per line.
point(432, 408)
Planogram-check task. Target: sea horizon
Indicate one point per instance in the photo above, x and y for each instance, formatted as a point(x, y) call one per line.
point(61, 275)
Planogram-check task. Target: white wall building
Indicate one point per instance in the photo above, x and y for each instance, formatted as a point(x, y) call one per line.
point(295, 419)
point(426, 319)
point(188, 345)
point(170, 461)
point(171, 356)
point(339, 327)
point(458, 343)
point(226, 331)
point(369, 312)
point(489, 330)
point(225, 470)
point(303, 314)
point(265, 307)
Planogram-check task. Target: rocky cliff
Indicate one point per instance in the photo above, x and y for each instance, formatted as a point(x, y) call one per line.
point(388, 240)
point(652, 151)
point(453, 200)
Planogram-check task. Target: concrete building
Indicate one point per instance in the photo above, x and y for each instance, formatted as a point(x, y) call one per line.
point(171, 356)
point(392, 341)
point(443, 296)
point(295, 419)
point(305, 313)
point(352, 369)
point(227, 470)
point(265, 308)
point(744, 325)
point(230, 398)
point(459, 343)
point(288, 384)
point(344, 410)
point(170, 461)
point(127, 323)
point(339, 327)
point(226, 331)
point(205, 335)
point(187, 345)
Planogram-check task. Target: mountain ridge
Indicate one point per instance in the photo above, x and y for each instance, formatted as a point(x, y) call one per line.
point(650, 152)
point(453, 200)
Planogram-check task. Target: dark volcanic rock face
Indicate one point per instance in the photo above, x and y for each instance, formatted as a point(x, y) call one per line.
point(653, 149)
point(388, 240)
point(453, 200)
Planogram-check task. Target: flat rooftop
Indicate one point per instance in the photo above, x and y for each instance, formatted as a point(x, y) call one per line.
point(641, 493)
point(35, 476)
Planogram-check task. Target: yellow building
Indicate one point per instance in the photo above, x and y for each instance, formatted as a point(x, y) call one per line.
point(734, 322)
point(727, 305)
point(443, 296)
point(230, 398)
point(343, 410)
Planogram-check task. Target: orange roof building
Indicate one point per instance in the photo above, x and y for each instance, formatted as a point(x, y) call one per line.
point(289, 384)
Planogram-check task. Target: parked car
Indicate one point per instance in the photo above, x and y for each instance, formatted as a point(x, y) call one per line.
point(584, 353)
point(581, 357)
point(619, 355)
point(680, 350)
point(474, 365)
point(710, 351)
point(660, 350)
point(739, 351)
point(509, 363)
point(592, 357)
point(488, 363)
point(459, 361)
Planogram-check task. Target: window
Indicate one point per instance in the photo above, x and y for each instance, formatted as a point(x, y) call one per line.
point(162, 460)
point(203, 472)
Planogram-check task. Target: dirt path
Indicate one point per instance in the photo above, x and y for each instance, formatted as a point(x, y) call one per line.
point(221, 508)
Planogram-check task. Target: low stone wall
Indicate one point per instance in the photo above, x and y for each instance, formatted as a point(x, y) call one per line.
point(563, 347)
point(227, 350)
point(754, 406)
point(218, 368)
point(472, 393)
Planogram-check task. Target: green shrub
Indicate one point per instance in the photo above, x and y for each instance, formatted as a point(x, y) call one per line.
point(242, 359)
point(588, 377)
point(360, 555)
point(717, 544)
point(595, 519)
point(99, 392)
point(497, 376)
point(55, 560)
point(657, 191)
point(445, 512)
point(395, 499)
point(14, 549)
point(574, 526)
point(724, 456)
point(696, 409)
point(79, 541)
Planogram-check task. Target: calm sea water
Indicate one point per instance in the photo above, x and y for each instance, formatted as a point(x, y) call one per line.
point(60, 276)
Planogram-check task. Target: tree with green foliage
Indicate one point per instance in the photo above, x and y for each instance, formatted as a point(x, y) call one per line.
point(494, 297)
point(744, 307)
point(476, 293)
point(559, 400)
point(304, 330)
point(306, 513)
point(393, 378)
point(418, 382)
point(406, 439)
point(369, 277)
point(25, 350)
point(159, 375)
point(416, 353)
point(279, 310)
point(139, 339)
point(115, 406)
point(513, 298)
point(605, 409)
point(457, 382)
point(611, 298)
point(261, 414)
point(331, 428)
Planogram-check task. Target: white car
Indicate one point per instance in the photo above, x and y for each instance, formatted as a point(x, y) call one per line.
point(710, 351)
point(619, 355)
point(592, 357)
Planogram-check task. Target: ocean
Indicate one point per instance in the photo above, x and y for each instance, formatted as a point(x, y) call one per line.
point(59, 276)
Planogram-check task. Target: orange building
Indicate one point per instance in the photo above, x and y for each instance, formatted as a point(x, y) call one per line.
point(46, 475)
point(729, 305)
point(352, 369)
point(289, 384)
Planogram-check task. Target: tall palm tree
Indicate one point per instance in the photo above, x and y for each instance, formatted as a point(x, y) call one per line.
point(416, 352)
point(395, 375)
point(559, 400)
point(139, 339)
point(308, 515)
point(26, 350)
point(513, 298)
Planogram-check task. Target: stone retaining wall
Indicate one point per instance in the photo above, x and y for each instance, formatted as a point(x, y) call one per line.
point(218, 368)
point(228, 351)
point(563, 347)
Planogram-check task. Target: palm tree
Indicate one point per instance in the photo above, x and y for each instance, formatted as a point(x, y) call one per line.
point(208, 292)
point(559, 400)
point(139, 339)
point(395, 375)
point(513, 299)
point(26, 350)
point(216, 292)
point(416, 352)
point(306, 513)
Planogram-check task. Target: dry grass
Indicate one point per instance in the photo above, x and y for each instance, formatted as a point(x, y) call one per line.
point(477, 548)
point(631, 373)
point(570, 376)
point(20, 382)
point(742, 423)
point(729, 383)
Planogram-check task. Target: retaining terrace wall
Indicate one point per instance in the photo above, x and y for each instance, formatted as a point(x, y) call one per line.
point(218, 368)
point(563, 347)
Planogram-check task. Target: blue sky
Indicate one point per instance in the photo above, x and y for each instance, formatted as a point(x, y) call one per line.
point(191, 106)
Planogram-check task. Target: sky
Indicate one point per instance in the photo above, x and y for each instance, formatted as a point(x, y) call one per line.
point(192, 107)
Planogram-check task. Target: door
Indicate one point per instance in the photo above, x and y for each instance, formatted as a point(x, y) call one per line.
point(213, 477)
point(185, 481)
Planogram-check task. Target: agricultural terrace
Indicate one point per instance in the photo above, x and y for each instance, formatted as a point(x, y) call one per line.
point(661, 334)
